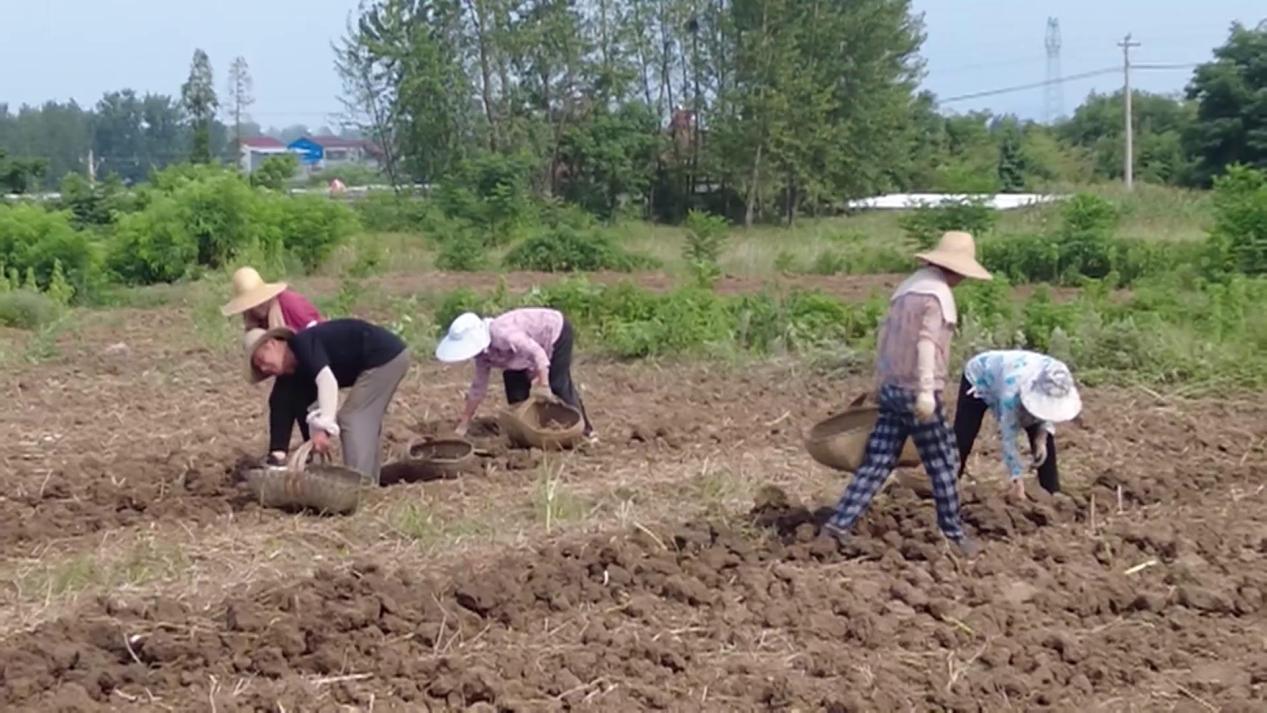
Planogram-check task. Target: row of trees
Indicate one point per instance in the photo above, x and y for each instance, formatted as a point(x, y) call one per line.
point(748, 108)
point(130, 135)
point(772, 106)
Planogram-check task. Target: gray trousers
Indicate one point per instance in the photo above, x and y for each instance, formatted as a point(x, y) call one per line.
point(361, 416)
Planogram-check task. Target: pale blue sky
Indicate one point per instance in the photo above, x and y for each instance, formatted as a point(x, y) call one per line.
point(58, 49)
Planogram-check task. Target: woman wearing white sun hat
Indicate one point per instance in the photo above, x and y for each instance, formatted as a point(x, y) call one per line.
point(912, 354)
point(529, 345)
point(1024, 390)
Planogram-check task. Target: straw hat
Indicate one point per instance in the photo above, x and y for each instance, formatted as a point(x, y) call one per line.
point(252, 341)
point(956, 252)
point(250, 290)
point(468, 336)
point(1048, 393)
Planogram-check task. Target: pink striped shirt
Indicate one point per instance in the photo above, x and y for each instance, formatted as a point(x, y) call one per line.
point(521, 340)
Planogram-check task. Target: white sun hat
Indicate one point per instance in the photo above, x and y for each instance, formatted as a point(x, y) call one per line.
point(1049, 393)
point(467, 337)
point(250, 290)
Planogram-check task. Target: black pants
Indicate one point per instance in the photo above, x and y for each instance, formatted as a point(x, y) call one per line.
point(969, 413)
point(519, 383)
point(287, 405)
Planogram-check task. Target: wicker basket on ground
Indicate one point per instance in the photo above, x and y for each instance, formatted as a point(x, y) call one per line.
point(543, 422)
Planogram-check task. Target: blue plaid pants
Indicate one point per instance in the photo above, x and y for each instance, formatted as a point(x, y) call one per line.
point(937, 449)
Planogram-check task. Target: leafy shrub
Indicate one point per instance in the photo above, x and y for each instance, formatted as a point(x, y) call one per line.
point(829, 262)
point(1238, 240)
point(34, 240)
point(567, 249)
point(313, 226)
point(275, 172)
point(24, 309)
point(461, 252)
point(154, 245)
point(387, 212)
point(94, 205)
point(705, 238)
point(198, 217)
point(925, 225)
point(491, 193)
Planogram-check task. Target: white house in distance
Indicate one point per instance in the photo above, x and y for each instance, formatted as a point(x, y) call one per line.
point(315, 154)
point(253, 152)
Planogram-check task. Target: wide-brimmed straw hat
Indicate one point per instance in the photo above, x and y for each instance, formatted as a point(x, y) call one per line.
point(468, 336)
point(250, 290)
point(253, 340)
point(1048, 392)
point(956, 252)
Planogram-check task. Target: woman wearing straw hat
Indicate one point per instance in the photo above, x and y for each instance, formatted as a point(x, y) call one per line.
point(342, 353)
point(912, 354)
point(1024, 390)
point(271, 305)
point(529, 345)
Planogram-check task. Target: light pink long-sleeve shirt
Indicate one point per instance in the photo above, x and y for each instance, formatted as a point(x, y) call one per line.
point(521, 340)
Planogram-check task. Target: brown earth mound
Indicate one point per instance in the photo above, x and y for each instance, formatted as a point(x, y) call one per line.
point(704, 617)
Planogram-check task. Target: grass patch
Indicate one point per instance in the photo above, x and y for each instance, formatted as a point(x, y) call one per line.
point(26, 309)
point(427, 528)
point(553, 502)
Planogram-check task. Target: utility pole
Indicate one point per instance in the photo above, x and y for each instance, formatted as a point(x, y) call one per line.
point(1053, 104)
point(1129, 165)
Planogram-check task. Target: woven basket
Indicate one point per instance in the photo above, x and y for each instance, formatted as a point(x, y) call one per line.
point(543, 422)
point(323, 487)
point(840, 441)
point(433, 459)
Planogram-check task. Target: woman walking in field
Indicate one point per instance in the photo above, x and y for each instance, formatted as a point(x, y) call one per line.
point(1024, 390)
point(273, 305)
point(529, 345)
point(913, 349)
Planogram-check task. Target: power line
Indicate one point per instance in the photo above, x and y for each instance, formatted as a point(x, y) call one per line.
point(1032, 85)
point(1060, 80)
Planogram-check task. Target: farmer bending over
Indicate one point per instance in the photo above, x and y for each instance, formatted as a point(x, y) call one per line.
point(338, 354)
point(913, 348)
point(1023, 390)
point(268, 305)
point(530, 345)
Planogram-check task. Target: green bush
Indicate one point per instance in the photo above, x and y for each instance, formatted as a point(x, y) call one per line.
point(204, 218)
point(383, 211)
point(925, 225)
point(313, 226)
point(490, 192)
point(1238, 240)
point(154, 245)
point(24, 309)
point(705, 238)
point(34, 240)
point(94, 205)
point(461, 252)
point(275, 172)
point(567, 249)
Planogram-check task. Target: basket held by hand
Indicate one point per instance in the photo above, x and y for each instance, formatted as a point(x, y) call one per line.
point(840, 441)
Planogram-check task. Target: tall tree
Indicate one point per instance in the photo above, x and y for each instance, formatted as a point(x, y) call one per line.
point(1231, 96)
point(369, 95)
point(241, 98)
point(198, 95)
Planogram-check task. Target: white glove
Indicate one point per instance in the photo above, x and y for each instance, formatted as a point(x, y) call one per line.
point(925, 405)
point(1040, 450)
